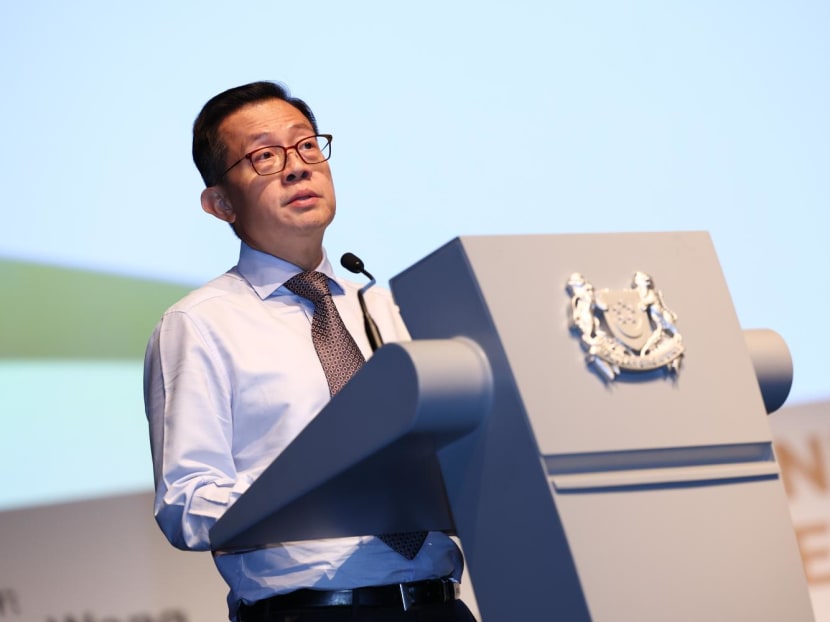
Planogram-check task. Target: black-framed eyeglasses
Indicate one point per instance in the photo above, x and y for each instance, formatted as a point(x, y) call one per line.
point(271, 160)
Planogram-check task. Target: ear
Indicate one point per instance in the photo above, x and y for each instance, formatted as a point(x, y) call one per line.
point(215, 203)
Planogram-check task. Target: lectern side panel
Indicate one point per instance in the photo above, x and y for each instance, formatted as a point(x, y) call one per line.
point(713, 400)
point(513, 539)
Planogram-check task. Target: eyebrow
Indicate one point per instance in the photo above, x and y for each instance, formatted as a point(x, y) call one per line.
point(249, 140)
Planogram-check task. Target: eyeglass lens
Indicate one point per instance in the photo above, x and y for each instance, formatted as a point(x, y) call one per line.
point(270, 160)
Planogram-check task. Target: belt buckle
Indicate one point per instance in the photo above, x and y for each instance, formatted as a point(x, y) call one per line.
point(406, 598)
point(449, 590)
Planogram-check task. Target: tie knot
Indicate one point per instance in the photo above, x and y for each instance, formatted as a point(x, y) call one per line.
point(311, 285)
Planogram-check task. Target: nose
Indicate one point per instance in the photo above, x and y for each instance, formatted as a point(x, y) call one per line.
point(295, 166)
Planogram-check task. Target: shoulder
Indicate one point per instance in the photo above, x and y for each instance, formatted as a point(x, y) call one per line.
point(374, 296)
point(212, 308)
point(225, 287)
point(205, 316)
point(385, 312)
point(380, 297)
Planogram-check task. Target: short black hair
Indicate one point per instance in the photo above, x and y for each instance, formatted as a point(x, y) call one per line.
point(209, 151)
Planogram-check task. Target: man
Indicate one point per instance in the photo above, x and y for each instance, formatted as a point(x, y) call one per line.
point(233, 374)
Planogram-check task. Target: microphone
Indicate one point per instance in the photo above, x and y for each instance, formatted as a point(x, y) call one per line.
point(354, 264)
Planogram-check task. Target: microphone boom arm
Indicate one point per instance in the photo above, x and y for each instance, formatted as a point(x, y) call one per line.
point(354, 264)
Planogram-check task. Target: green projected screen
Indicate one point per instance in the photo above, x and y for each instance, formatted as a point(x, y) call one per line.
point(71, 348)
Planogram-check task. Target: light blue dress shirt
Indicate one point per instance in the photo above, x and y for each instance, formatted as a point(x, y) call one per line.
point(231, 377)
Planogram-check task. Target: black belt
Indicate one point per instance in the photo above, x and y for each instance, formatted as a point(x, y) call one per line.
point(399, 595)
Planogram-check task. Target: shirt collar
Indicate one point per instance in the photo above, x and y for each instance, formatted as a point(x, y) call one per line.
point(266, 273)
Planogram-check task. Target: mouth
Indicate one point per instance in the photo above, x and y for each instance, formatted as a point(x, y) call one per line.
point(302, 197)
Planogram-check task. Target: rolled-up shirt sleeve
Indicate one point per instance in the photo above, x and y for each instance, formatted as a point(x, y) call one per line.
point(188, 401)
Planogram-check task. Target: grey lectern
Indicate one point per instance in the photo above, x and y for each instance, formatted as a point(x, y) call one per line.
point(599, 444)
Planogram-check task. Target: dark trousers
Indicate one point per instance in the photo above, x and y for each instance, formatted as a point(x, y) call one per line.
point(453, 611)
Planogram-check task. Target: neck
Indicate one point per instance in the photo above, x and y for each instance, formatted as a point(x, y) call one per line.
point(306, 261)
point(307, 257)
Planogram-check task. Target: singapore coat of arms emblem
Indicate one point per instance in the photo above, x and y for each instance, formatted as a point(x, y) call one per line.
point(628, 329)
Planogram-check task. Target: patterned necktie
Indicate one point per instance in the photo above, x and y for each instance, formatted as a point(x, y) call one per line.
point(338, 353)
point(341, 358)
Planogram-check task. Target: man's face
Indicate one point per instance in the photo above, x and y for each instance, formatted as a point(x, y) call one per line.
point(280, 214)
